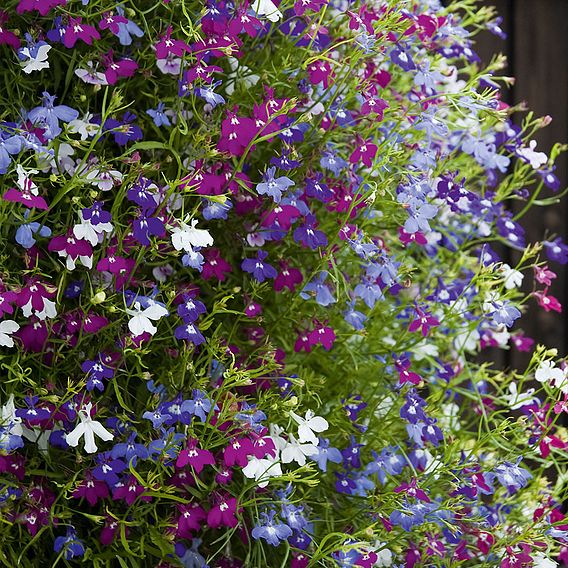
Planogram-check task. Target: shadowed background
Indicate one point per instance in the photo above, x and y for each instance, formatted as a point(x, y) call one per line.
point(537, 51)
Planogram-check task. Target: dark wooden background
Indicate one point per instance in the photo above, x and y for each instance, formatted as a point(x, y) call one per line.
point(537, 52)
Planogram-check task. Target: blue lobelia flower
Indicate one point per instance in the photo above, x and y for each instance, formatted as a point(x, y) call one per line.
point(273, 186)
point(270, 529)
point(49, 115)
point(72, 546)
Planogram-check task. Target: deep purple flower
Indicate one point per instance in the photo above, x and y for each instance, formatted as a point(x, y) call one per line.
point(237, 452)
point(108, 468)
point(317, 189)
point(130, 450)
point(189, 520)
point(258, 268)
point(144, 227)
point(308, 236)
point(129, 490)
point(124, 131)
point(41, 6)
point(190, 309)
point(190, 332)
point(556, 250)
point(96, 372)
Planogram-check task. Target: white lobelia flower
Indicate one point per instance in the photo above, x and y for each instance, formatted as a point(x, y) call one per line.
point(516, 400)
point(261, 470)
point(83, 126)
point(548, 372)
point(297, 452)
point(535, 159)
point(542, 561)
point(268, 9)
point(186, 237)
point(513, 278)
point(140, 321)
point(8, 417)
point(88, 427)
point(7, 328)
point(240, 74)
point(308, 425)
point(36, 61)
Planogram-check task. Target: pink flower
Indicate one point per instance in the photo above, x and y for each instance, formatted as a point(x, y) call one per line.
point(34, 298)
point(195, 457)
point(543, 275)
point(407, 238)
point(223, 513)
point(215, 266)
point(320, 72)
point(117, 69)
point(423, 321)
point(129, 491)
point(6, 36)
point(322, 335)
point(522, 343)
point(110, 21)
point(548, 302)
point(71, 248)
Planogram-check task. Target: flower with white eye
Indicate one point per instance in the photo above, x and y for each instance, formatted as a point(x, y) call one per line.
point(140, 321)
point(309, 425)
point(34, 57)
point(187, 237)
point(88, 428)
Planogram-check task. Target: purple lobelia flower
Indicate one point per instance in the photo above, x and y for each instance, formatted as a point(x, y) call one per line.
point(189, 332)
point(96, 372)
point(69, 544)
point(123, 131)
point(130, 450)
point(41, 6)
point(208, 94)
point(556, 250)
point(7, 37)
point(258, 268)
point(195, 457)
point(272, 185)
point(110, 22)
point(145, 227)
point(129, 490)
point(271, 529)
point(48, 115)
point(237, 452)
point(9, 146)
point(108, 468)
point(317, 189)
point(190, 309)
point(308, 236)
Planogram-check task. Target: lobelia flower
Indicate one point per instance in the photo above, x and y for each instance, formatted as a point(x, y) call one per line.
point(326, 453)
point(129, 490)
point(273, 186)
point(96, 371)
point(72, 249)
point(266, 8)
point(308, 236)
point(271, 529)
point(9, 146)
point(365, 152)
point(87, 428)
point(297, 451)
point(208, 94)
point(185, 237)
point(308, 425)
point(111, 22)
point(140, 322)
point(222, 514)
point(28, 194)
point(7, 37)
point(71, 546)
point(319, 290)
point(48, 116)
point(167, 45)
point(108, 468)
point(556, 250)
point(190, 332)
point(288, 277)
point(91, 489)
point(258, 268)
point(237, 133)
point(547, 302)
point(76, 31)
point(512, 476)
point(262, 469)
point(130, 450)
point(189, 520)
point(34, 56)
point(41, 6)
point(547, 372)
point(199, 405)
point(7, 328)
point(117, 69)
point(34, 298)
point(195, 457)
point(158, 115)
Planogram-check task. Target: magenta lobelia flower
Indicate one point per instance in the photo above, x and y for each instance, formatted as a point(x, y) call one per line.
point(76, 31)
point(365, 152)
point(423, 321)
point(117, 69)
point(110, 22)
point(34, 298)
point(195, 457)
point(41, 6)
point(6, 36)
point(189, 520)
point(236, 133)
point(223, 512)
point(71, 249)
point(167, 46)
point(288, 277)
point(237, 452)
point(91, 489)
point(129, 490)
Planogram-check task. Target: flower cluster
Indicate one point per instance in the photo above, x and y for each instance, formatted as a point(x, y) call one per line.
point(247, 264)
